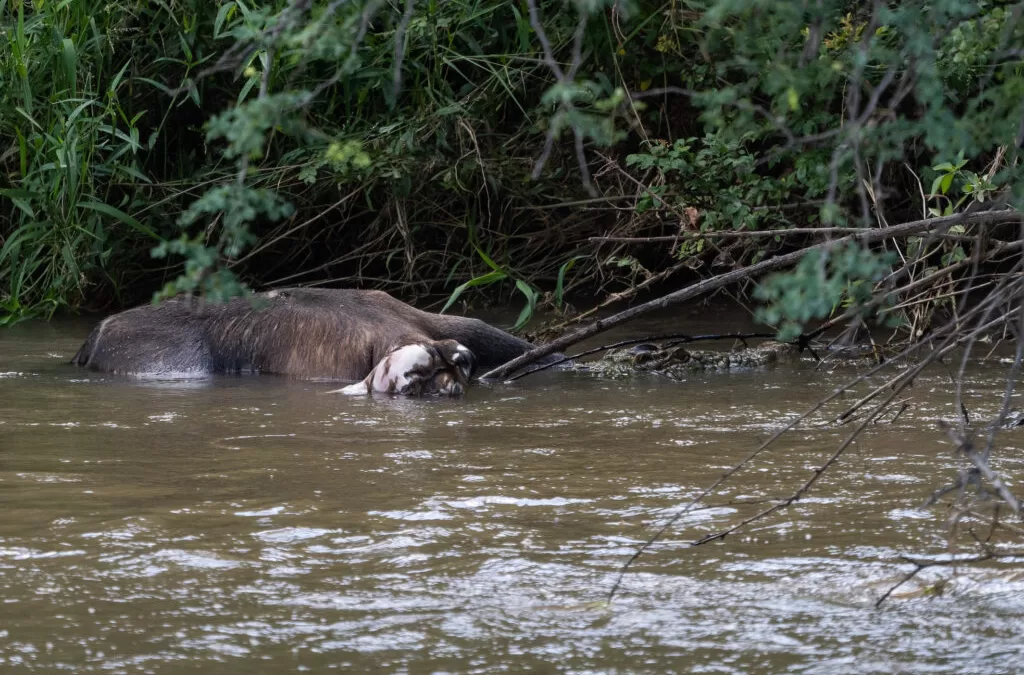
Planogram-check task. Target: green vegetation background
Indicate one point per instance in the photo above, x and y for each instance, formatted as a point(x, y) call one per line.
point(438, 147)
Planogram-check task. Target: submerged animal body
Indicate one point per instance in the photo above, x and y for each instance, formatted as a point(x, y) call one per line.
point(307, 333)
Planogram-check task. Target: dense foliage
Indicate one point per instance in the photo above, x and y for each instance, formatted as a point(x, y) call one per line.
point(427, 146)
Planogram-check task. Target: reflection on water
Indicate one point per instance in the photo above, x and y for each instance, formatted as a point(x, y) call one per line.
point(257, 525)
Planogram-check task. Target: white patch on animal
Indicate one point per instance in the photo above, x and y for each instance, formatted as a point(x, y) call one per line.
point(392, 374)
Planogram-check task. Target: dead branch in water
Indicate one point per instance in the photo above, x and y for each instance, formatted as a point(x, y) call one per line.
point(752, 271)
point(675, 338)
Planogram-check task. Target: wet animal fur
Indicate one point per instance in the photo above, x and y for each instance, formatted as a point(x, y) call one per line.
point(306, 333)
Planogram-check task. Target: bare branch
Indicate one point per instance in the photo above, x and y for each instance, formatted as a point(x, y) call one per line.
point(722, 280)
point(673, 339)
point(564, 78)
point(581, 159)
point(545, 43)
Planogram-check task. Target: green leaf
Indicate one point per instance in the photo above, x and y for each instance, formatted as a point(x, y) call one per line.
point(947, 180)
point(487, 259)
point(484, 280)
point(118, 214)
point(120, 74)
point(133, 172)
point(247, 87)
point(913, 246)
point(531, 303)
point(21, 199)
point(69, 60)
point(222, 15)
point(560, 284)
point(69, 260)
point(153, 83)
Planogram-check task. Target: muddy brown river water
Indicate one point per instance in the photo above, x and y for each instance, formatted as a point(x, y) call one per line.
point(256, 525)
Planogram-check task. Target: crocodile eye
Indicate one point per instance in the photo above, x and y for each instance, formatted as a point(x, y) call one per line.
point(640, 358)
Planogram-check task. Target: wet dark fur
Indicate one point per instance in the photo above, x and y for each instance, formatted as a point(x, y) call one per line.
point(336, 334)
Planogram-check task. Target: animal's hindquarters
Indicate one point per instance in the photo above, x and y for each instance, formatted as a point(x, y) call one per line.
point(142, 341)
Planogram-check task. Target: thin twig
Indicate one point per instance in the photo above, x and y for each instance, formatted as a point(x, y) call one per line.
point(920, 565)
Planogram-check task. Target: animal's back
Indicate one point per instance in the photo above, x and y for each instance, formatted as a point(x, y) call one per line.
point(328, 333)
point(338, 334)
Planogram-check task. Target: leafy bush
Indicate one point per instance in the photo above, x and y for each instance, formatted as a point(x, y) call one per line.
point(426, 146)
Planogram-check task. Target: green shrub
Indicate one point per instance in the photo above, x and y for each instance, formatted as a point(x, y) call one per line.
point(422, 146)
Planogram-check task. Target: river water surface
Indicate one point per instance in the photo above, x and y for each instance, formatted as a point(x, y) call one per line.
point(257, 525)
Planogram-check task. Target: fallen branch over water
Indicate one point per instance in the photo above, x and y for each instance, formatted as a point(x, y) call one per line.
point(672, 339)
point(729, 278)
